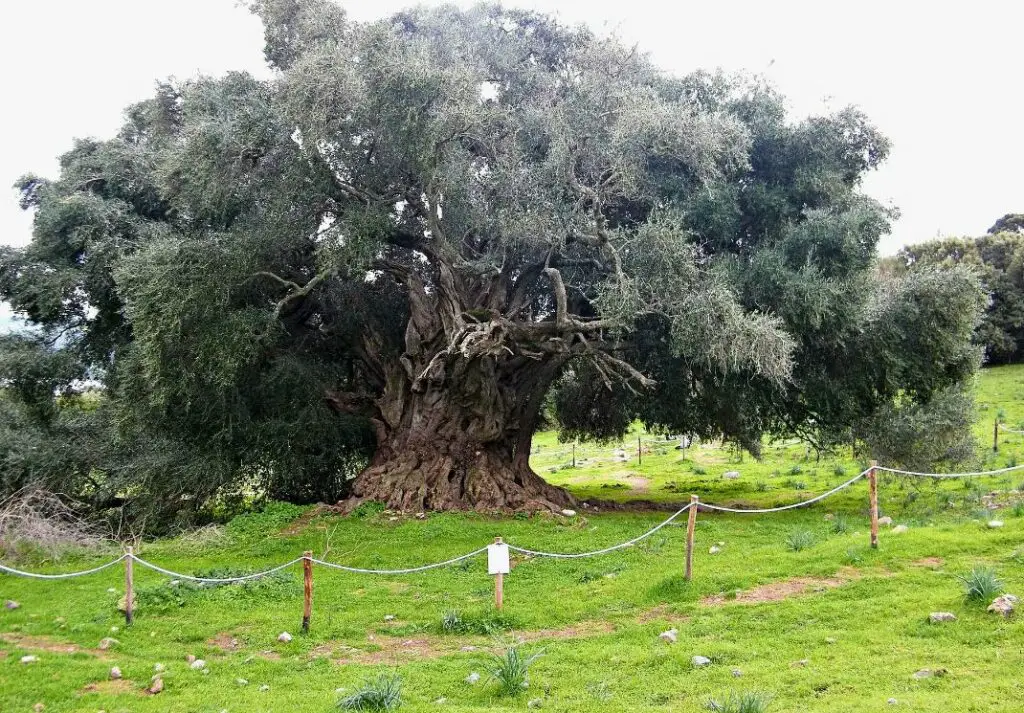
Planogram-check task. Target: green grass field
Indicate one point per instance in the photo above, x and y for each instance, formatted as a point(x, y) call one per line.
point(835, 626)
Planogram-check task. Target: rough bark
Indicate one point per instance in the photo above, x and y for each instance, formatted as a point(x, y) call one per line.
point(461, 443)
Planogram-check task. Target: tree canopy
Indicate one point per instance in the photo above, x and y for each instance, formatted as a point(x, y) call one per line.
point(395, 248)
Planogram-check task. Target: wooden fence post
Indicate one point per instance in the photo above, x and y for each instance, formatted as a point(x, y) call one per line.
point(129, 587)
point(873, 494)
point(691, 523)
point(995, 436)
point(639, 452)
point(573, 455)
point(307, 589)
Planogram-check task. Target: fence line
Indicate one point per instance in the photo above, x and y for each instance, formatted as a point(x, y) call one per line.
point(522, 550)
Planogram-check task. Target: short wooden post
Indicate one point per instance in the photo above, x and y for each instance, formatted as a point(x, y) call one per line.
point(129, 587)
point(995, 436)
point(873, 494)
point(573, 455)
point(499, 584)
point(307, 589)
point(639, 452)
point(691, 523)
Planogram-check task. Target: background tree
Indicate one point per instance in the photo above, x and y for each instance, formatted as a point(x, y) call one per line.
point(998, 260)
point(420, 224)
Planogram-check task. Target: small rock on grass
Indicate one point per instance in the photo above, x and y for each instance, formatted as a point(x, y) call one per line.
point(197, 665)
point(264, 688)
point(115, 673)
point(190, 658)
point(157, 685)
point(714, 550)
point(389, 617)
point(892, 701)
point(885, 520)
point(472, 678)
point(700, 661)
point(159, 668)
point(29, 659)
point(928, 673)
point(569, 513)
point(241, 682)
point(736, 673)
point(284, 637)
point(937, 617)
point(900, 529)
point(669, 636)
point(107, 642)
point(1003, 605)
point(995, 523)
point(10, 604)
point(39, 708)
point(535, 703)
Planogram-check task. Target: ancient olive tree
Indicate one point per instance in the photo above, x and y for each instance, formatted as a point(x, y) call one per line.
point(423, 223)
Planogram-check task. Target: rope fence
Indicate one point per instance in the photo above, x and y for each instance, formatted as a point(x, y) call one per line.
point(498, 561)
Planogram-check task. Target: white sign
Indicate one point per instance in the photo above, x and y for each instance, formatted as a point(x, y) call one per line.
point(497, 559)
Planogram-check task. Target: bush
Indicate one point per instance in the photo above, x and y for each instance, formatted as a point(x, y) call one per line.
point(799, 540)
point(383, 693)
point(981, 584)
point(511, 669)
point(750, 702)
point(488, 623)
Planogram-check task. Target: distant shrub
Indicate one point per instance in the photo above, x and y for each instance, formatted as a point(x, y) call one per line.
point(749, 702)
point(699, 470)
point(796, 470)
point(853, 556)
point(383, 693)
point(274, 516)
point(839, 471)
point(370, 508)
point(981, 584)
point(511, 669)
point(798, 540)
point(761, 486)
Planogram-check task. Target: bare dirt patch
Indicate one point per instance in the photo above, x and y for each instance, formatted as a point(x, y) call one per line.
point(932, 562)
point(302, 521)
point(43, 643)
point(393, 651)
point(784, 589)
point(225, 642)
point(112, 688)
point(662, 612)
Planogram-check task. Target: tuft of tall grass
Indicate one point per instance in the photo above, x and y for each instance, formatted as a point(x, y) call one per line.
point(748, 702)
point(383, 693)
point(798, 540)
point(511, 669)
point(981, 584)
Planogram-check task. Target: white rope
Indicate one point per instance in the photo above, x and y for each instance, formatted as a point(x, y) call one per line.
point(213, 580)
point(565, 555)
point(66, 575)
point(1009, 430)
point(409, 570)
point(952, 475)
point(802, 503)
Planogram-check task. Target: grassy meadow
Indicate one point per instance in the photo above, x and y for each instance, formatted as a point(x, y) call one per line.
point(794, 606)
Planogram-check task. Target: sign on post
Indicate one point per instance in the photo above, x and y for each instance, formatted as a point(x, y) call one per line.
point(498, 565)
point(497, 558)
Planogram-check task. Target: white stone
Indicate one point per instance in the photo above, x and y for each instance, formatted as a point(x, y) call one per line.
point(534, 703)
point(472, 678)
point(669, 636)
point(114, 629)
point(885, 520)
point(731, 475)
point(115, 673)
point(111, 591)
point(441, 701)
point(714, 550)
point(1003, 605)
point(284, 637)
point(569, 513)
point(900, 529)
point(29, 659)
point(157, 685)
point(159, 667)
point(736, 673)
point(190, 658)
point(939, 616)
point(11, 604)
point(995, 523)
point(699, 661)
point(264, 688)
point(197, 665)
point(107, 642)
point(892, 701)
point(241, 682)
point(389, 617)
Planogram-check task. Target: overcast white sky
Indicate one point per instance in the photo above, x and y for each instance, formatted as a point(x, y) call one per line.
point(943, 80)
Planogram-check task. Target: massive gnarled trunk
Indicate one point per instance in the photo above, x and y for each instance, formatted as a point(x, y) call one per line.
point(461, 444)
